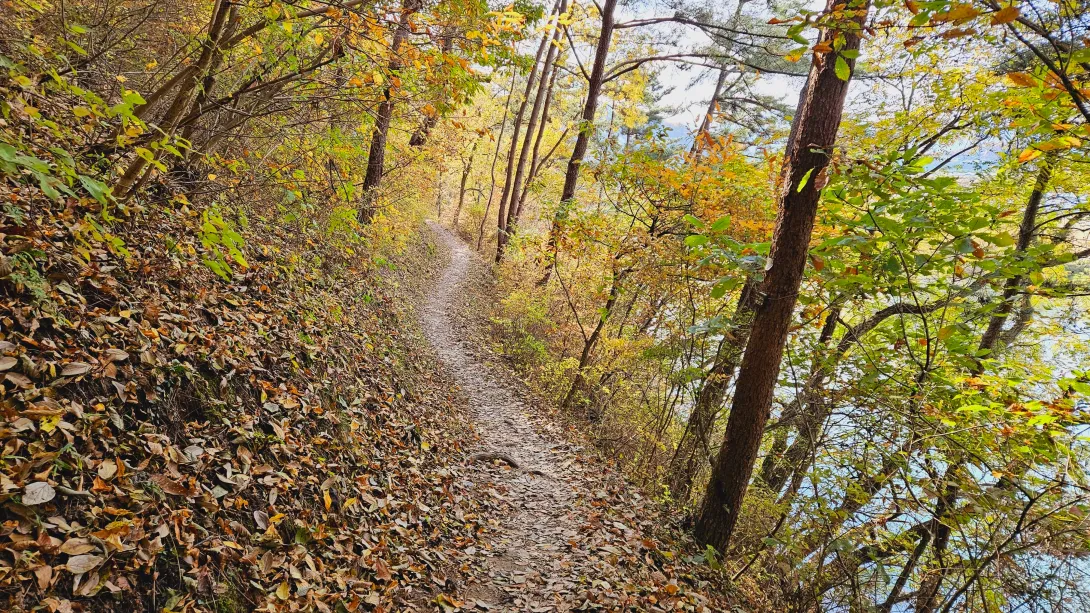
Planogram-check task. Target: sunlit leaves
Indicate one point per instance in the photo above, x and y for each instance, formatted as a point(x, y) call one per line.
point(1005, 15)
point(843, 71)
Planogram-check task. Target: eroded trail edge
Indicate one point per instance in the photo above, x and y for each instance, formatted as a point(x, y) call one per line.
point(529, 566)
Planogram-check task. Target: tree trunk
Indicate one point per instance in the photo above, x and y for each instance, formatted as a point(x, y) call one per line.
point(376, 156)
point(935, 534)
point(209, 80)
point(496, 158)
point(439, 196)
point(531, 129)
point(586, 128)
point(210, 53)
point(927, 599)
point(591, 341)
point(802, 178)
point(703, 133)
point(1025, 237)
point(809, 410)
point(512, 160)
point(535, 158)
point(462, 185)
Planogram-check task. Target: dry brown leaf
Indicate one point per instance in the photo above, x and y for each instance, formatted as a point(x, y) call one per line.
point(107, 469)
point(44, 574)
point(170, 486)
point(39, 492)
point(83, 563)
point(74, 369)
point(76, 546)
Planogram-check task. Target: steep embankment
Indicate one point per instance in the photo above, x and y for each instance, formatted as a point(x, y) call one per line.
point(173, 441)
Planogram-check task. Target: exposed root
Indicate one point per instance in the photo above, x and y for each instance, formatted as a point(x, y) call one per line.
point(489, 456)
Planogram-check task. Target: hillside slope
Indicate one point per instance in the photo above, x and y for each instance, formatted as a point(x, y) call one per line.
point(174, 441)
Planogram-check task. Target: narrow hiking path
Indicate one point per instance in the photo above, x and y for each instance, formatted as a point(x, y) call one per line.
point(566, 531)
point(529, 565)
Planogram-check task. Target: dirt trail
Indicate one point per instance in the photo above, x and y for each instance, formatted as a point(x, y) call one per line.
point(530, 568)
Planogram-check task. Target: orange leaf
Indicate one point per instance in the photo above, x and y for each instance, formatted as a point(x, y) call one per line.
point(1005, 15)
point(958, 12)
point(1028, 154)
point(1022, 79)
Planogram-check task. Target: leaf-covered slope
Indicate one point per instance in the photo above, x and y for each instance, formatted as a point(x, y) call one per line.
point(175, 442)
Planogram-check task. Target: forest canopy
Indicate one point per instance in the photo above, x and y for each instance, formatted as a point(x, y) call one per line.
point(813, 276)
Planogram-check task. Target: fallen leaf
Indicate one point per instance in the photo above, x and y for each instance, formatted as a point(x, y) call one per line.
point(83, 563)
point(19, 380)
point(382, 571)
point(107, 469)
point(170, 486)
point(75, 369)
point(38, 493)
point(76, 546)
point(44, 574)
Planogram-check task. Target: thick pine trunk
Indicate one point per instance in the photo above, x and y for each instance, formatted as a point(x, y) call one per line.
point(808, 412)
point(805, 165)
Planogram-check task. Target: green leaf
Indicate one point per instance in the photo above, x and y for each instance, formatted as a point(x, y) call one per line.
point(805, 180)
point(695, 240)
point(711, 556)
point(843, 72)
point(1081, 387)
point(80, 50)
point(98, 189)
point(721, 224)
point(219, 268)
point(1002, 239)
point(133, 97)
